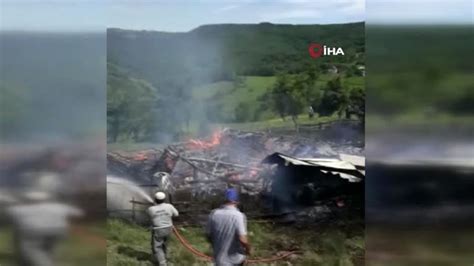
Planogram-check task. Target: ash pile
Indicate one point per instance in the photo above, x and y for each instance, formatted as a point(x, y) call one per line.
point(267, 169)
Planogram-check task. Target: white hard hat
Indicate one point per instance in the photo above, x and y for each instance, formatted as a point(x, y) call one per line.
point(160, 174)
point(160, 196)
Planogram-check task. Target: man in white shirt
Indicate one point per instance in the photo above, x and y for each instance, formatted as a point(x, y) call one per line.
point(40, 223)
point(161, 216)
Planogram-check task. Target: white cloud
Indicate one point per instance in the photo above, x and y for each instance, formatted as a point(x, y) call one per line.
point(225, 9)
point(311, 9)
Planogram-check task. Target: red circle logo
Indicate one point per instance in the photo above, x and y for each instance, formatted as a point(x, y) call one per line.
point(315, 50)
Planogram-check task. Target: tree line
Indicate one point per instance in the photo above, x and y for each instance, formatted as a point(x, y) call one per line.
point(292, 95)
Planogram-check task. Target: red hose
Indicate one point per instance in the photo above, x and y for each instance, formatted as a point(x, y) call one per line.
point(198, 253)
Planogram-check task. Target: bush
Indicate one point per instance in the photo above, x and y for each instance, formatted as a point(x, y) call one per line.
point(242, 112)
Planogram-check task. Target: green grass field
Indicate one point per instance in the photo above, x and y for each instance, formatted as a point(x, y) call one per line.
point(129, 244)
point(227, 96)
point(278, 123)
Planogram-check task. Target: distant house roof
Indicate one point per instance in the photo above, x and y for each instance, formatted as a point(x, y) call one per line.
point(349, 167)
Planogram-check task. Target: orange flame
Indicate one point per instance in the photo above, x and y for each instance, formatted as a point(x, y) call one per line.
point(140, 156)
point(200, 144)
point(235, 177)
point(253, 173)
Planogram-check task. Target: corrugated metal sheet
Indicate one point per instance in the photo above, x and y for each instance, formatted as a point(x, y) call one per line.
point(352, 169)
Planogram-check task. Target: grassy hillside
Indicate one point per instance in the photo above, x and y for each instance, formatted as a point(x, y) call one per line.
point(130, 245)
point(222, 74)
point(278, 123)
point(225, 96)
point(137, 110)
point(130, 105)
point(212, 53)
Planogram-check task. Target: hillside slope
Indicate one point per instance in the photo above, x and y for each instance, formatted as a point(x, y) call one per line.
point(212, 53)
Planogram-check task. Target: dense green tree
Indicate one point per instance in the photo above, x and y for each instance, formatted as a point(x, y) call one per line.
point(311, 91)
point(333, 98)
point(357, 102)
point(288, 96)
point(130, 107)
point(278, 94)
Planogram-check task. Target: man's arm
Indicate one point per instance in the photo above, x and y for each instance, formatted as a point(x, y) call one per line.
point(174, 211)
point(149, 212)
point(242, 232)
point(245, 243)
point(209, 228)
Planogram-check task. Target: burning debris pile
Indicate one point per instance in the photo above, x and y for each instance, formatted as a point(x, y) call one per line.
point(204, 168)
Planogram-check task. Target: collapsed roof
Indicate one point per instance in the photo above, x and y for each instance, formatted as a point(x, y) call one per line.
point(349, 167)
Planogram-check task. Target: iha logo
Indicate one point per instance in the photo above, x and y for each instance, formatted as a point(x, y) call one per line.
point(317, 50)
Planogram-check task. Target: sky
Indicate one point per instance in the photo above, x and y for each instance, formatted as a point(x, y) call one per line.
point(185, 15)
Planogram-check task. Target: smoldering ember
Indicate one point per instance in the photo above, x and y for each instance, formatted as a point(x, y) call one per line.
point(288, 178)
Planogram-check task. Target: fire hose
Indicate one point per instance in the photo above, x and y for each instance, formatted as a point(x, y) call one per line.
point(198, 253)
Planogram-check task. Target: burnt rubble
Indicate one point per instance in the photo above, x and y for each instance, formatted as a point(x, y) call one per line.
point(201, 169)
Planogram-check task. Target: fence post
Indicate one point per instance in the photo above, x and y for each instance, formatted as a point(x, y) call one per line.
point(133, 210)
